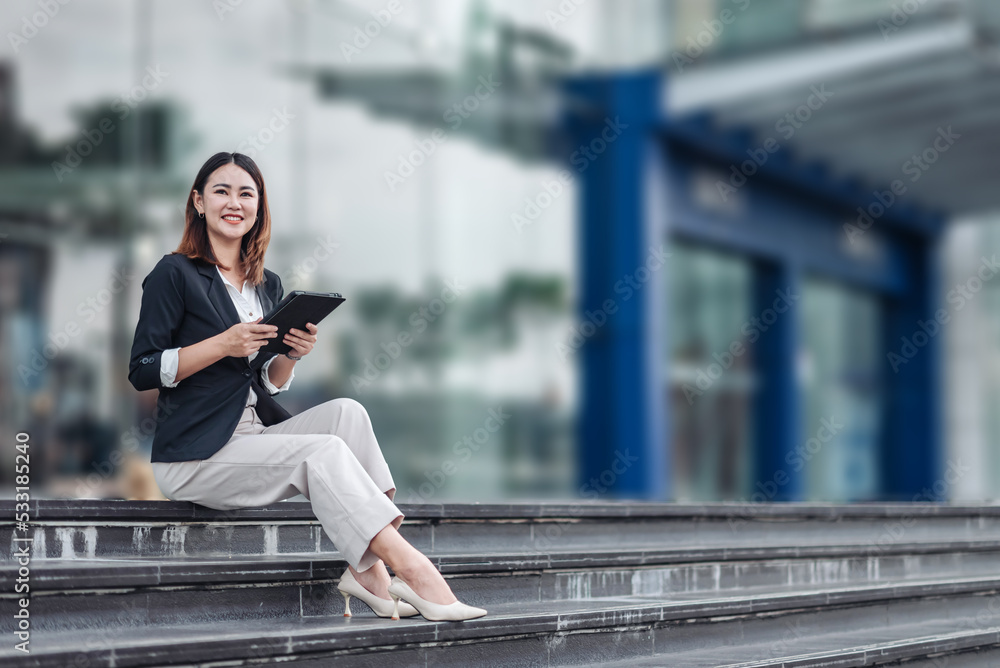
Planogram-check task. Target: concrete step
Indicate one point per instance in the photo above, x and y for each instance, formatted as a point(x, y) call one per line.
point(117, 583)
point(82, 593)
point(876, 624)
point(936, 648)
point(68, 529)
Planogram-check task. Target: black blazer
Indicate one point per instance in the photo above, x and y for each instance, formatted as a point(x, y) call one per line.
point(184, 301)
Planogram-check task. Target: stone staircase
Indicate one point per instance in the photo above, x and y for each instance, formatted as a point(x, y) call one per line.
point(119, 583)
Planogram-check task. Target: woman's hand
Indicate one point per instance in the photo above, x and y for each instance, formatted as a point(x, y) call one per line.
point(245, 338)
point(301, 342)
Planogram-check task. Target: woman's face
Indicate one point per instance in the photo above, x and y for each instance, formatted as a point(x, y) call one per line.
point(229, 204)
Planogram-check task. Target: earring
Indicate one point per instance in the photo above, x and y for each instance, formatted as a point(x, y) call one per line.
point(201, 215)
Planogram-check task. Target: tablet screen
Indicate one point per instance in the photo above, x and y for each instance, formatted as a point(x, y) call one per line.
point(294, 311)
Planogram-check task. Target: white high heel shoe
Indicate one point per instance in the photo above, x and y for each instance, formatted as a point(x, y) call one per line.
point(453, 612)
point(349, 586)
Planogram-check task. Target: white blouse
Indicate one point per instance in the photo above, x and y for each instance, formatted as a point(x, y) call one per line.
point(248, 306)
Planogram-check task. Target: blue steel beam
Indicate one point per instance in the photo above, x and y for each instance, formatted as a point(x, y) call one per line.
point(733, 147)
point(773, 221)
point(777, 399)
point(911, 462)
point(623, 452)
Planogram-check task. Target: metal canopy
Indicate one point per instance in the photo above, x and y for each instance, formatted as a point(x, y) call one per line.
point(882, 110)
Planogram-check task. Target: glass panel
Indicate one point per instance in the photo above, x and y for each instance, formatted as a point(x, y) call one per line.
point(842, 395)
point(709, 392)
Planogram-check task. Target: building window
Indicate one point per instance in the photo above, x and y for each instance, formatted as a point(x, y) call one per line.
point(709, 388)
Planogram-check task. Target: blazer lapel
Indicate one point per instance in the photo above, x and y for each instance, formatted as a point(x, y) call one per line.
point(223, 304)
point(220, 299)
point(266, 303)
point(218, 296)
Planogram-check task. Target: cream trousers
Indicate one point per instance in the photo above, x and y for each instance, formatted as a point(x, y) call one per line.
point(327, 453)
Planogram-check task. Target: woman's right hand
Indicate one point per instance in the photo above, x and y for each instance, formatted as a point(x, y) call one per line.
point(245, 338)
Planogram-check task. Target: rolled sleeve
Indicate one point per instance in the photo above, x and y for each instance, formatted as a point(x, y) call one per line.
point(169, 362)
point(266, 381)
point(279, 293)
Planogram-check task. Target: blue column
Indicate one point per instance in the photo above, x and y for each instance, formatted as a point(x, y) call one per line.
point(912, 455)
point(777, 400)
point(613, 150)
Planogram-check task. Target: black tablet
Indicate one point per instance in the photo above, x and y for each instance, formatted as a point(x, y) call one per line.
point(294, 311)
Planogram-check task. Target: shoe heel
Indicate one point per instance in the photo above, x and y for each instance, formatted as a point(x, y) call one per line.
point(347, 603)
point(395, 607)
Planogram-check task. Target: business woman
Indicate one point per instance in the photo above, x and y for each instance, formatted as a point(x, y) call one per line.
point(222, 441)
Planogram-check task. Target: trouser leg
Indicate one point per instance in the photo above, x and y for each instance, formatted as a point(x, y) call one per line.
point(349, 420)
point(260, 469)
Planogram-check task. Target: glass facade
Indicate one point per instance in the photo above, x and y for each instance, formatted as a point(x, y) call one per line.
point(710, 390)
point(840, 367)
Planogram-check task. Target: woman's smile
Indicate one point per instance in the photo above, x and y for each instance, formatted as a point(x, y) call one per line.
point(229, 203)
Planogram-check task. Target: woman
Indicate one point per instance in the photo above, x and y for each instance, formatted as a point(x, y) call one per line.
point(223, 442)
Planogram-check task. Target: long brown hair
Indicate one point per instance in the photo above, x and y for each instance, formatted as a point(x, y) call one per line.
point(195, 244)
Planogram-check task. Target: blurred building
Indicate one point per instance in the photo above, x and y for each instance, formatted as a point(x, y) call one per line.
point(711, 249)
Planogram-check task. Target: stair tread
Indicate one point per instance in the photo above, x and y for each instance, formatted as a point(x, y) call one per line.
point(840, 644)
point(709, 594)
point(334, 632)
point(88, 528)
point(857, 588)
point(599, 554)
point(140, 571)
point(41, 510)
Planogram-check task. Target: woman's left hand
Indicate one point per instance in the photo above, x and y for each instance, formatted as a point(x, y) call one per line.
point(301, 342)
